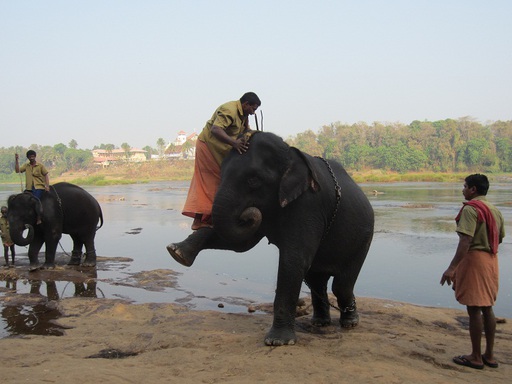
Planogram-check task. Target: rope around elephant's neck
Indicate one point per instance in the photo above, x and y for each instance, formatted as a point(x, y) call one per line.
point(337, 190)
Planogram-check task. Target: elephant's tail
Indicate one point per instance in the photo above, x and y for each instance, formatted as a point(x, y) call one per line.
point(101, 220)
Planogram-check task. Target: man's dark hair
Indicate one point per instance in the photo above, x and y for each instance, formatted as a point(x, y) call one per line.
point(479, 181)
point(31, 152)
point(251, 98)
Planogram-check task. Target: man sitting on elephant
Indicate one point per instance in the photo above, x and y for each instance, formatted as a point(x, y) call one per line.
point(214, 143)
point(37, 179)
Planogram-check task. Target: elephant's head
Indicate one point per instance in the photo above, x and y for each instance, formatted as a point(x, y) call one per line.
point(258, 184)
point(23, 211)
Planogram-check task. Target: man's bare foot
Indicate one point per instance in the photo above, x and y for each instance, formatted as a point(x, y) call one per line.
point(200, 224)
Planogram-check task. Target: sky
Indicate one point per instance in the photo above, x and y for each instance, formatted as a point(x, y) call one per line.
point(124, 71)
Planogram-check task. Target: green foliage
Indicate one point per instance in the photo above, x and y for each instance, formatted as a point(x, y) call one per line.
point(441, 146)
point(101, 181)
point(444, 146)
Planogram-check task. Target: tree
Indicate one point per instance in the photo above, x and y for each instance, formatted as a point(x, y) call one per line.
point(126, 148)
point(149, 151)
point(6, 163)
point(186, 147)
point(160, 144)
point(307, 142)
point(73, 144)
point(109, 148)
point(60, 148)
point(77, 159)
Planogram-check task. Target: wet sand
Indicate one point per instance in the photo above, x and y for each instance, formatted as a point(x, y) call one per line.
point(115, 341)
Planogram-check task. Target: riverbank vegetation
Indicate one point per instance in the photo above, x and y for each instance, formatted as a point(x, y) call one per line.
point(437, 151)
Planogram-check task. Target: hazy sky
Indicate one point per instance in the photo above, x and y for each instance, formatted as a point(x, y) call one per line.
point(115, 71)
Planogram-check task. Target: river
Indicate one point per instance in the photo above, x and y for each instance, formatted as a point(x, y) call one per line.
point(413, 244)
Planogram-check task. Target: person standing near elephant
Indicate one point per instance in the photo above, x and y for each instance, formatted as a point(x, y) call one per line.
point(6, 237)
point(37, 179)
point(474, 268)
point(217, 138)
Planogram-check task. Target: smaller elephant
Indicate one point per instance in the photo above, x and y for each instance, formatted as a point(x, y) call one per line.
point(66, 208)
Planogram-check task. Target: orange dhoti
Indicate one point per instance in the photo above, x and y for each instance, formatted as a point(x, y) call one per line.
point(204, 184)
point(477, 279)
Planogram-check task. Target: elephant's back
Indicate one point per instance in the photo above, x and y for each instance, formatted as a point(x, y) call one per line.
point(77, 204)
point(70, 193)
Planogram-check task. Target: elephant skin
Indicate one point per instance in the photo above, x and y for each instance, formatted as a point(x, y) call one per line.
point(276, 191)
point(66, 208)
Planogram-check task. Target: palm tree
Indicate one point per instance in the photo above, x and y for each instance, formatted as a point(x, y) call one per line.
point(160, 144)
point(126, 148)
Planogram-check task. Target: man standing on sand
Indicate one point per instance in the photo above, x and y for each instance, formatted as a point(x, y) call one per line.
point(474, 268)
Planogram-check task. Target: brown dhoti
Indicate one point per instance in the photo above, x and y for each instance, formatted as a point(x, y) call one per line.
point(204, 184)
point(477, 279)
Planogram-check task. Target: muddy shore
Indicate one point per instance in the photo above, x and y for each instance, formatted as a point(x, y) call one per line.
point(115, 341)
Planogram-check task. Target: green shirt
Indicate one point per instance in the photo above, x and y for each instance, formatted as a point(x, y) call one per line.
point(229, 117)
point(34, 175)
point(469, 225)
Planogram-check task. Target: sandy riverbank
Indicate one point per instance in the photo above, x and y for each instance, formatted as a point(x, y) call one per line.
point(161, 343)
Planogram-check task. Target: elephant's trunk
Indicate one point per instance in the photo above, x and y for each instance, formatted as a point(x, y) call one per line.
point(236, 228)
point(17, 235)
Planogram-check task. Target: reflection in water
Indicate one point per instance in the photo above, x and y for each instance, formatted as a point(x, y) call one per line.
point(35, 312)
point(37, 318)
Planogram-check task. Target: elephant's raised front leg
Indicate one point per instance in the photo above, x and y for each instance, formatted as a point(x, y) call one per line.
point(186, 251)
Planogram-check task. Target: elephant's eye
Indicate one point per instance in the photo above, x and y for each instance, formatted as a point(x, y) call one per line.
point(254, 183)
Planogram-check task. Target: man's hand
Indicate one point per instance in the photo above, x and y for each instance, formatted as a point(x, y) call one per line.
point(448, 276)
point(241, 145)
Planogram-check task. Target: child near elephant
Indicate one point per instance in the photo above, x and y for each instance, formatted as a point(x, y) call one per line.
point(6, 237)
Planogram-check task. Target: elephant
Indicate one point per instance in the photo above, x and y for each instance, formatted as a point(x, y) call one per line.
point(66, 208)
point(310, 208)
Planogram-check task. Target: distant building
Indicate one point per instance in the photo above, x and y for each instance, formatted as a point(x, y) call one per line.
point(107, 157)
point(183, 147)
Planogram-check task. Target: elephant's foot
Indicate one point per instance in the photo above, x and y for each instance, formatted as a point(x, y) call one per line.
point(280, 336)
point(48, 266)
point(320, 321)
point(180, 254)
point(90, 259)
point(349, 317)
point(33, 267)
point(89, 263)
point(75, 259)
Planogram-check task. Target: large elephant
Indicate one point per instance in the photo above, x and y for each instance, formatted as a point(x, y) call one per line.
point(310, 208)
point(66, 208)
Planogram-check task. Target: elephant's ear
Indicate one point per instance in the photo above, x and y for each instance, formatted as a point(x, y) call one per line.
point(10, 199)
point(297, 178)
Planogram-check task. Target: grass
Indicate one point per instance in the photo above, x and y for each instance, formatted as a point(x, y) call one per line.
point(102, 180)
point(177, 170)
point(379, 176)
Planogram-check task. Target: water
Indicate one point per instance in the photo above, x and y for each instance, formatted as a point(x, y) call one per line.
point(413, 244)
